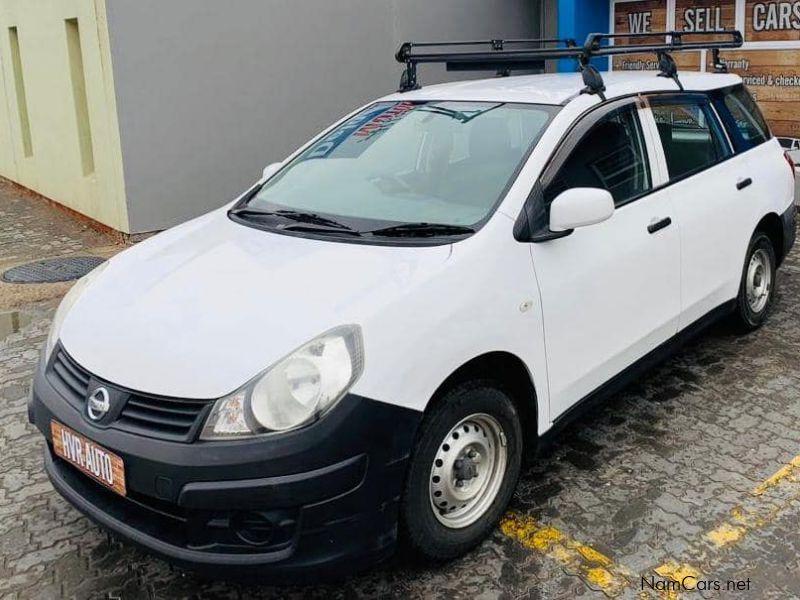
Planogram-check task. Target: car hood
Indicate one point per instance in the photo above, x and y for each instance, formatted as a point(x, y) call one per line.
point(198, 311)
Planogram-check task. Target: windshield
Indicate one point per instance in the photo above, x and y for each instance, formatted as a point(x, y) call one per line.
point(404, 167)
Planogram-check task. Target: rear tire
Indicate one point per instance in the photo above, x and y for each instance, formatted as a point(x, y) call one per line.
point(463, 471)
point(757, 287)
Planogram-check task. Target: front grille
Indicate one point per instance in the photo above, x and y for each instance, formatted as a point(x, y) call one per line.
point(70, 379)
point(161, 417)
point(171, 419)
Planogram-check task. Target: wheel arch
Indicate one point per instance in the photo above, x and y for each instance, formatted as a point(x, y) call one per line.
point(511, 373)
point(772, 227)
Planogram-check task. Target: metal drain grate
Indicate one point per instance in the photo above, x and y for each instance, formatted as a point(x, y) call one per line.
point(53, 270)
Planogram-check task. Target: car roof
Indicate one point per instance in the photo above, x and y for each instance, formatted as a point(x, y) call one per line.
point(559, 88)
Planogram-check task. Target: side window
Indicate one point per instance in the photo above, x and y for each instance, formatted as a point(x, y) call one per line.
point(611, 156)
point(691, 136)
point(747, 117)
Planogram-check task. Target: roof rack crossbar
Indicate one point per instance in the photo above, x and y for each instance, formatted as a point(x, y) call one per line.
point(502, 59)
point(479, 59)
point(594, 42)
point(404, 52)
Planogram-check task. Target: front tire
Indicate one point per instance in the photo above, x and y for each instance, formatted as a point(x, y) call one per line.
point(757, 287)
point(463, 472)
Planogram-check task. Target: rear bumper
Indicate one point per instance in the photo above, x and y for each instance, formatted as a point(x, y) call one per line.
point(322, 500)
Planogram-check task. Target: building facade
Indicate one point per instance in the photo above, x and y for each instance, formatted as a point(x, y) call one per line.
point(768, 62)
point(59, 132)
point(141, 115)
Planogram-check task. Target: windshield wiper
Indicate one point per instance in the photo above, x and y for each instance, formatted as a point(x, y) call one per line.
point(422, 230)
point(317, 229)
point(292, 215)
point(455, 114)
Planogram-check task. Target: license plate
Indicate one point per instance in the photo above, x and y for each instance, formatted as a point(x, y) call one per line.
point(95, 461)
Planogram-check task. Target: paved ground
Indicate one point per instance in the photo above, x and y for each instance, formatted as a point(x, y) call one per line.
point(31, 229)
point(693, 471)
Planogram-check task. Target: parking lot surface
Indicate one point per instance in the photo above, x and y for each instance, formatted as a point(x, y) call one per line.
point(692, 474)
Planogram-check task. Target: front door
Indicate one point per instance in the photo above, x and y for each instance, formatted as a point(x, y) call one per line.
point(610, 292)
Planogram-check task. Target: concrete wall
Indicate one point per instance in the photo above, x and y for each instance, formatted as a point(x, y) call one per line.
point(208, 92)
point(58, 128)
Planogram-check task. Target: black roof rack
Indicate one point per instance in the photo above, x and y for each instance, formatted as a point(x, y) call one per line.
point(496, 57)
point(499, 57)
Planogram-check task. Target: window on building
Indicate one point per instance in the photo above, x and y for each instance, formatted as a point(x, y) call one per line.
point(691, 136)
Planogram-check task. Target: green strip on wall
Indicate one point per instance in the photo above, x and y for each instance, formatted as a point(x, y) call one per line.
point(79, 95)
point(19, 83)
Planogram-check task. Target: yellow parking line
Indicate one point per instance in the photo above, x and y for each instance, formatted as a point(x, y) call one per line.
point(789, 471)
point(763, 503)
point(756, 510)
point(759, 508)
point(683, 575)
point(594, 567)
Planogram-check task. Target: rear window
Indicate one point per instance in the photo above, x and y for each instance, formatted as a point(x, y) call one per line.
point(748, 124)
point(691, 137)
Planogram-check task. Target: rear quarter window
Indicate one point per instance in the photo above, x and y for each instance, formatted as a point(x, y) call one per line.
point(745, 123)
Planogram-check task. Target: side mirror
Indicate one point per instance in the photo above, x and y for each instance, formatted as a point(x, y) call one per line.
point(270, 170)
point(579, 207)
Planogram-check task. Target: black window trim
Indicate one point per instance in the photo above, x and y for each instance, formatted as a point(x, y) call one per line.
point(525, 230)
point(723, 128)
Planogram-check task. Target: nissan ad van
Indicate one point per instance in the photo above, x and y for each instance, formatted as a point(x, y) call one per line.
point(357, 351)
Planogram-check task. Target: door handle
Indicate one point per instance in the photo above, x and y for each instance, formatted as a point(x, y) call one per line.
point(659, 225)
point(743, 183)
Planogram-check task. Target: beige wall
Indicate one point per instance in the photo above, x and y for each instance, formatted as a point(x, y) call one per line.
point(73, 155)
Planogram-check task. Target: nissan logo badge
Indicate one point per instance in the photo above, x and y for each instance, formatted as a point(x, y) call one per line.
point(98, 404)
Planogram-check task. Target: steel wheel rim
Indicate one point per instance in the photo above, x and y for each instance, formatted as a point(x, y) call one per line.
point(758, 285)
point(468, 470)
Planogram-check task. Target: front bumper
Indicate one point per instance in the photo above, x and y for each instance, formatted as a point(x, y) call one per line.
point(323, 499)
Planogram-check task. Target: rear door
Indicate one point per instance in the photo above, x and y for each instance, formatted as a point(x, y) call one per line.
point(772, 180)
point(610, 292)
point(710, 194)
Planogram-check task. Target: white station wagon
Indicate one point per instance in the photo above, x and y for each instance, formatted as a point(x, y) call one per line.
point(358, 351)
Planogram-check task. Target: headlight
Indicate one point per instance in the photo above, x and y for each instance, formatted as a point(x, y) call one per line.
point(294, 392)
point(66, 304)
